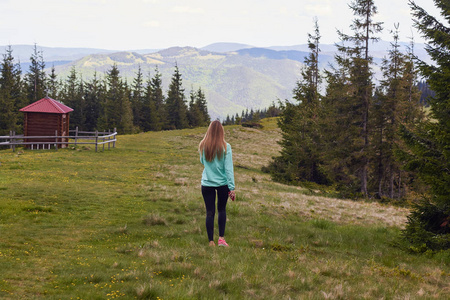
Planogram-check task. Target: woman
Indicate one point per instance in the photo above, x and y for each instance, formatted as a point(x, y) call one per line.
point(218, 176)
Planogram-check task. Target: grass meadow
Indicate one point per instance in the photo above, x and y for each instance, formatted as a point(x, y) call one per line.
point(128, 223)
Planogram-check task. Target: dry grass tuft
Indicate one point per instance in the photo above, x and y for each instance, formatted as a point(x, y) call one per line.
point(154, 219)
point(181, 181)
point(291, 274)
point(122, 230)
point(257, 243)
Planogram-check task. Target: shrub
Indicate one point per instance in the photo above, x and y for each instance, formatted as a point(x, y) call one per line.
point(252, 124)
point(428, 227)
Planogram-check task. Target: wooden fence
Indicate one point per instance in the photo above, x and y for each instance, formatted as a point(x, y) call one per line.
point(47, 142)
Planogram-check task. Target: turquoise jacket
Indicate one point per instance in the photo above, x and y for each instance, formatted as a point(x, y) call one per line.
point(218, 172)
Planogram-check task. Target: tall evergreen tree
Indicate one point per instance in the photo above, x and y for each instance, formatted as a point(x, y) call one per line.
point(153, 110)
point(159, 102)
point(194, 116)
point(137, 98)
point(73, 96)
point(301, 138)
point(53, 84)
point(94, 96)
point(428, 225)
point(10, 93)
point(117, 111)
point(148, 114)
point(202, 107)
point(397, 103)
point(198, 111)
point(355, 61)
point(338, 135)
point(176, 103)
point(35, 79)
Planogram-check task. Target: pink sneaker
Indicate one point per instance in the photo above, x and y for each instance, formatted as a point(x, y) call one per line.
point(222, 242)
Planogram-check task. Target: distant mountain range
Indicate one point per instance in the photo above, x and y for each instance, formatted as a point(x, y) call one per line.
point(234, 76)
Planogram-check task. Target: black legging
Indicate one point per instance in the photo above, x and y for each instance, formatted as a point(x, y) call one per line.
point(209, 195)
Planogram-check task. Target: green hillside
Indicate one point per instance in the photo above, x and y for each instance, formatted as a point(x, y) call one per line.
point(232, 82)
point(128, 223)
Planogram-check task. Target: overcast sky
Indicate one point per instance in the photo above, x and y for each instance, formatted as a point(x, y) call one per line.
point(156, 24)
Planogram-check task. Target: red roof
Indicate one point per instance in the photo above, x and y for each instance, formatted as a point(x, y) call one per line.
point(47, 105)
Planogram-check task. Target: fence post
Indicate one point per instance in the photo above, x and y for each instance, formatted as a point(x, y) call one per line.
point(10, 139)
point(76, 136)
point(96, 140)
point(13, 139)
point(109, 137)
point(56, 140)
point(115, 137)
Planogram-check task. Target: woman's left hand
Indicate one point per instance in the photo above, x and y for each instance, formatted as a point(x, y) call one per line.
point(232, 195)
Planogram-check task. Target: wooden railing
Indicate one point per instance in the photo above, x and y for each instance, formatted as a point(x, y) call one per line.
point(101, 138)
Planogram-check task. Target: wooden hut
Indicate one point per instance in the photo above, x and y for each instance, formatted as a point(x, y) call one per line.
point(46, 117)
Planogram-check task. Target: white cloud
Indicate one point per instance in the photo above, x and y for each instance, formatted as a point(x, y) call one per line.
point(116, 23)
point(318, 10)
point(151, 24)
point(188, 10)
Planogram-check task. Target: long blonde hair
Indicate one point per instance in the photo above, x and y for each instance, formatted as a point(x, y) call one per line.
point(213, 144)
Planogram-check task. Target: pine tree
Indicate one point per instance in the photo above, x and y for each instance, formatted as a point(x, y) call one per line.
point(301, 138)
point(10, 93)
point(137, 99)
point(202, 107)
point(307, 90)
point(428, 225)
point(53, 84)
point(227, 121)
point(149, 117)
point(338, 135)
point(397, 103)
point(352, 111)
point(117, 111)
point(156, 106)
point(126, 116)
point(273, 111)
point(176, 103)
point(237, 119)
point(72, 95)
point(94, 96)
point(35, 79)
point(194, 114)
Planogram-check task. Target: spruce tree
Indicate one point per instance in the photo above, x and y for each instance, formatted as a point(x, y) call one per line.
point(94, 96)
point(148, 111)
point(72, 95)
point(194, 115)
point(338, 135)
point(428, 225)
point(397, 102)
point(117, 111)
point(300, 158)
point(126, 116)
point(227, 121)
point(35, 79)
point(198, 111)
point(137, 98)
point(202, 107)
point(176, 103)
point(159, 119)
point(53, 84)
point(10, 93)
point(352, 115)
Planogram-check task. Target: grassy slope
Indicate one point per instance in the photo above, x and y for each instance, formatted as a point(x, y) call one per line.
point(129, 223)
